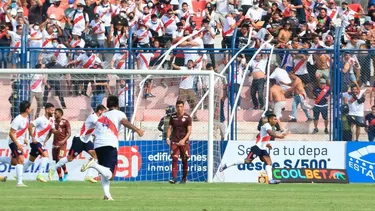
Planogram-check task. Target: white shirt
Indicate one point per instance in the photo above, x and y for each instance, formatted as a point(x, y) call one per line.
point(36, 84)
point(88, 61)
point(144, 60)
point(88, 128)
point(20, 124)
point(15, 41)
point(143, 36)
point(74, 43)
point(193, 54)
point(60, 55)
point(187, 82)
point(37, 34)
point(80, 21)
point(227, 30)
point(207, 38)
point(120, 60)
point(186, 15)
point(280, 75)
point(42, 127)
point(300, 67)
point(264, 138)
point(170, 24)
point(105, 14)
point(238, 75)
point(259, 66)
point(255, 14)
point(107, 127)
point(123, 96)
point(99, 29)
point(157, 27)
point(222, 6)
point(355, 109)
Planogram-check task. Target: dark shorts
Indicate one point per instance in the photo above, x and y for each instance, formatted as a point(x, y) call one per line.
point(257, 152)
point(58, 153)
point(15, 152)
point(320, 110)
point(78, 146)
point(36, 149)
point(107, 157)
point(182, 151)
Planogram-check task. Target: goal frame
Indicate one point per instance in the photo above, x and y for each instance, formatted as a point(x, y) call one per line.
point(211, 95)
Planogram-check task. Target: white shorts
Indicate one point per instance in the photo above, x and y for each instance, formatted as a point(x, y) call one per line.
point(278, 107)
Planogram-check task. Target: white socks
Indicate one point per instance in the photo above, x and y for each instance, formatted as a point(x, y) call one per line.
point(269, 172)
point(19, 172)
point(61, 162)
point(104, 171)
point(6, 160)
point(105, 185)
point(27, 164)
point(43, 165)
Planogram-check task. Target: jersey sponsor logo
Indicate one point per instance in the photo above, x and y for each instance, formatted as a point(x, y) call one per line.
point(129, 162)
point(360, 162)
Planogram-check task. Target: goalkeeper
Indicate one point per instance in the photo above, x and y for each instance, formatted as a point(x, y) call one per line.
point(164, 122)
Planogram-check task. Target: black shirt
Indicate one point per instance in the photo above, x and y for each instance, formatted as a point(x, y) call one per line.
point(35, 14)
point(4, 41)
point(370, 119)
point(118, 19)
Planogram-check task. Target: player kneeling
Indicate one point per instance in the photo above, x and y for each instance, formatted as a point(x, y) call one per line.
point(82, 142)
point(260, 148)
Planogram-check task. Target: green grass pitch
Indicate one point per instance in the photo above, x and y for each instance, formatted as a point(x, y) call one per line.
point(74, 196)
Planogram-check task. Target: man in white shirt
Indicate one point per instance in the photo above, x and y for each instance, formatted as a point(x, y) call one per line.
point(355, 101)
point(106, 143)
point(186, 87)
point(36, 87)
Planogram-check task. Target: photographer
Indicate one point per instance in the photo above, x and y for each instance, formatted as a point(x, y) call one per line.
point(354, 100)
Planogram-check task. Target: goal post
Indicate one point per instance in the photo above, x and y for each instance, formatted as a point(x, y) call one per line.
point(140, 160)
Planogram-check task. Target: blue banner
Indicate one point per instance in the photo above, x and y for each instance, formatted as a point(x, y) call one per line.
point(360, 161)
point(151, 161)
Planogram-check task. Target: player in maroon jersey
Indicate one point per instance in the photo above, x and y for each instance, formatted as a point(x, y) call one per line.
point(60, 139)
point(178, 134)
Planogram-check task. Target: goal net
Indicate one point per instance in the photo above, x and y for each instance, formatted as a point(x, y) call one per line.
point(146, 97)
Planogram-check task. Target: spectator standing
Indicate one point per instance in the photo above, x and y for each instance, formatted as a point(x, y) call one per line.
point(38, 81)
point(5, 40)
point(58, 12)
point(321, 95)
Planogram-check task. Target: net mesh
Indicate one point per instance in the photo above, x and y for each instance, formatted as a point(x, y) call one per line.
point(144, 99)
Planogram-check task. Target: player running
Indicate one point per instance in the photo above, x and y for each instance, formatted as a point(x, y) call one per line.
point(106, 143)
point(44, 125)
point(16, 140)
point(260, 148)
point(82, 142)
point(60, 140)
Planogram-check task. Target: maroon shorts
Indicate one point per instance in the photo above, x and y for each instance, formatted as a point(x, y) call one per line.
point(58, 153)
point(182, 151)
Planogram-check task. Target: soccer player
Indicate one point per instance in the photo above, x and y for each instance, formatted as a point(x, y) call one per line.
point(260, 148)
point(60, 140)
point(43, 126)
point(81, 142)
point(178, 134)
point(16, 140)
point(106, 143)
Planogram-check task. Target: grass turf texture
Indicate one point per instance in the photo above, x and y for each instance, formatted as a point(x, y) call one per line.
point(192, 196)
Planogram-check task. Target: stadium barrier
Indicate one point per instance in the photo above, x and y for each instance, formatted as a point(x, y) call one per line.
point(150, 161)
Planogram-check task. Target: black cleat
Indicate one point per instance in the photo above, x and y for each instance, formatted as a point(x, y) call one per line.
point(173, 181)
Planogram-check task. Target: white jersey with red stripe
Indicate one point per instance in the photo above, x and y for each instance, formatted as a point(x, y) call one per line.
point(143, 36)
point(120, 60)
point(105, 13)
point(98, 29)
point(61, 55)
point(42, 127)
point(185, 14)
point(170, 24)
point(87, 62)
point(228, 22)
point(36, 40)
point(156, 26)
point(107, 129)
point(80, 43)
point(263, 137)
point(20, 124)
point(88, 128)
point(144, 60)
point(300, 66)
point(36, 84)
point(47, 39)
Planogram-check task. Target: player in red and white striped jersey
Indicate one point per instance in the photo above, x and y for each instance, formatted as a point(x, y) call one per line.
point(44, 126)
point(81, 142)
point(260, 148)
point(106, 143)
point(16, 140)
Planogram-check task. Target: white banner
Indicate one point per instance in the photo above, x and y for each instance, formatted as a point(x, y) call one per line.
point(74, 167)
point(285, 154)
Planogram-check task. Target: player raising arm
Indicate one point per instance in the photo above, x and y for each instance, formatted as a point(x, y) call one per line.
point(43, 125)
point(82, 142)
point(106, 143)
point(16, 140)
point(260, 148)
point(178, 134)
